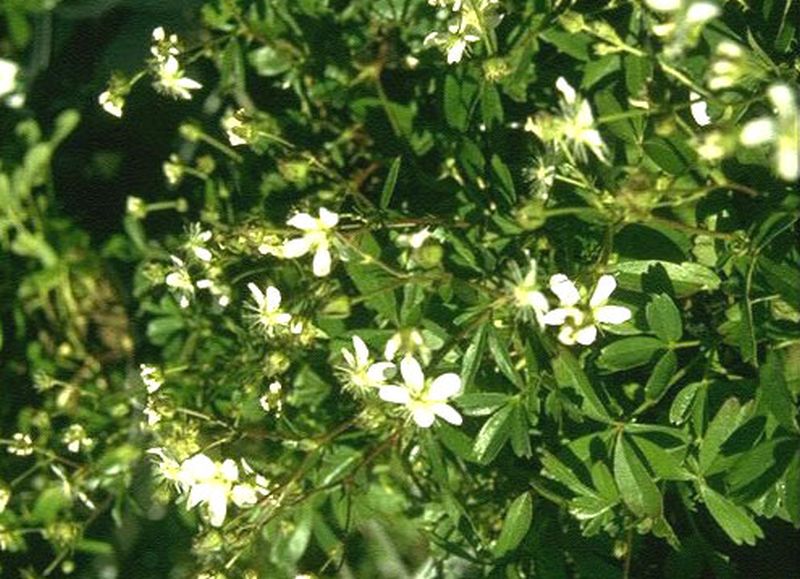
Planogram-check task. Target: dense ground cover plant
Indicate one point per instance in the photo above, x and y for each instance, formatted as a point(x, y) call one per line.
point(393, 288)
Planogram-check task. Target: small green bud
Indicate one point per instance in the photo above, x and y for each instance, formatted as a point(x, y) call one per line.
point(531, 216)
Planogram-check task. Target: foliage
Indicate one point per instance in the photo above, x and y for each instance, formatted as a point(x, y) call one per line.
point(502, 288)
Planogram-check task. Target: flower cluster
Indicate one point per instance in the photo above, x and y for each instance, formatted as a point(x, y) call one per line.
point(469, 22)
point(170, 77)
point(211, 484)
point(207, 274)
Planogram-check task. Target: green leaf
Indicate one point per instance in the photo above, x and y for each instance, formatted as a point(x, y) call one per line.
point(269, 61)
point(557, 470)
point(458, 97)
point(596, 70)
point(682, 403)
point(491, 105)
point(504, 179)
point(635, 484)
point(629, 353)
point(667, 155)
point(569, 374)
point(161, 329)
point(391, 182)
point(493, 435)
point(663, 372)
point(481, 403)
point(667, 464)
point(773, 393)
point(456, 441)
point(503, 359)
point(375, 284)
point(520, 437)
point(687, 278)
point(575, 45)
point(733, 519)
point(515, 525)
point(473, 357)
point(664, 318)
point(728, 418)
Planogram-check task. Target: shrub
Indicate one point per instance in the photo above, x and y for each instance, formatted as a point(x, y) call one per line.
point(452, 288)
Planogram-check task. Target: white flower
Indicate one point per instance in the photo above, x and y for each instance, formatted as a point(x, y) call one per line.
point(211, 484)
point(361, 371)
point(151, 413)
point(783, 131)
point(316, 238)
point(701, 12)
point(75, 437)
point(198, 238)
point(5, 496)
point(271, 400)
point(664, 5)
point(8, 76)
point(425, 401)
point(208, 483)
point(712, 146)
point(576, 127)
point(268, 313)
point(171, 80)
point(152, 378)
point(21, 444)
point(232, 126)
point(757, 132)
point(579, 321)
point(180, 281)
point(526, 295)
point(112, 104)
point(699, 110)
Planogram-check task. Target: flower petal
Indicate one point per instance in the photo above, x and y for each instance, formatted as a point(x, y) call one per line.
point(396, 394)
point(603, 290)
point(565, 290)
point(282, 319)
point(303, 221)
point(444, 387)
point(612, 314)
point(556, 317)
point(757, 132)
point(217, 508)
point(447, 413)
point(586, 335)
point(567, 336)
point(328, 218)
point(322, 262)
point(412, 373)
point(361, 350)
point(392, 345)
point(296, 247)
point(273, 299)
point(423, 416)
point(377, 373)
point(566, 90)
point(257, 294)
